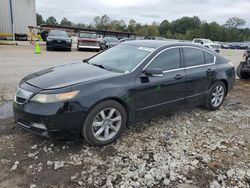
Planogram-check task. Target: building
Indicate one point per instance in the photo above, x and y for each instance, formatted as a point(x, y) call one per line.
point(16, 15)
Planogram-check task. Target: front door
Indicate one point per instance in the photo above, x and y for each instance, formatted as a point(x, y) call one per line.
point(158, 94)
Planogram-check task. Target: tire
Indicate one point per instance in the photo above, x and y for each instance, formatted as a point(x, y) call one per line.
point(211, 99)
point(240, 74)
point(103, 47)
point(90, 132)
point(48, 48)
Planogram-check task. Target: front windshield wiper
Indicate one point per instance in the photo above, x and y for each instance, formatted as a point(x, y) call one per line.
point(85, 61)
point(100, 66)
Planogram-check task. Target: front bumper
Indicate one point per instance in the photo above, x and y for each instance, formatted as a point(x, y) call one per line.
point(61, 45)
point(89, 47)
point(62, 120)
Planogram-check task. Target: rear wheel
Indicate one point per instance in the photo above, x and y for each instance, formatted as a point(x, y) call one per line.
point(240, 74)
point(104, 123)
point(215, 96)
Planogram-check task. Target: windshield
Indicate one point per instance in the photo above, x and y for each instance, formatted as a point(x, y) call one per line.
point(88, 35)
point(121, 58)
point(58, 33)
point(111, 39)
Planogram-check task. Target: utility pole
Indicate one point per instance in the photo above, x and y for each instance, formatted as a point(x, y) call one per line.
point(12, 20)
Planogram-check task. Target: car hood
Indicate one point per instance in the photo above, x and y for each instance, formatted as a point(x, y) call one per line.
point(67, 75)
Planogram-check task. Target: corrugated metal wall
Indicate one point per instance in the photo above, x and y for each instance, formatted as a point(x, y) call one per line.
point(24, 14)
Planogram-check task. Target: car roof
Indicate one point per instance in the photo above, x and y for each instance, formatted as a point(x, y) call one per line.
point(160, 43)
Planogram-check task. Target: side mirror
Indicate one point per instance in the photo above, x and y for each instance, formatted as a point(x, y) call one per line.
point(153, 72)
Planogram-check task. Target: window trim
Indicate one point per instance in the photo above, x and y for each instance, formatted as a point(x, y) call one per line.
point(182, 58)
point(164, 71)
point(196, 66)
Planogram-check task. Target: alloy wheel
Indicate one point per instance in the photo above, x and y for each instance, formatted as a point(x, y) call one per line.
point(217, 96)
point(106, 124)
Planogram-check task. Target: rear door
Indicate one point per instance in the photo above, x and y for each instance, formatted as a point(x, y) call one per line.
point(200, 70)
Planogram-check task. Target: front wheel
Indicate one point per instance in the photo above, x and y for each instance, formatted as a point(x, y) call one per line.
point(215, 96)
point(104, 123)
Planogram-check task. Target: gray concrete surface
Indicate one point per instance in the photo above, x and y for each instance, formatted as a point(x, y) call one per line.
point(18, 61)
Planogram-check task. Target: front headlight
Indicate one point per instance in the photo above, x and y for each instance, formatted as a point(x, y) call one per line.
point(49, 98)
point(49, 39)
point(68, 40)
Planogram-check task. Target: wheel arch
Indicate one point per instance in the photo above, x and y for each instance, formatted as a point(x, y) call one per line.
point(117, 99)
point(221, 80)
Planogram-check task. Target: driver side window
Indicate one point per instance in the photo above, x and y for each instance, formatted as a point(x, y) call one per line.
point(167, 60)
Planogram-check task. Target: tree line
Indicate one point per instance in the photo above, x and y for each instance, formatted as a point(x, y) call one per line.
point(185, 28)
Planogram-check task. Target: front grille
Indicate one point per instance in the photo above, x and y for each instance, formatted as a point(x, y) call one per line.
point(59, 41)
point(22, 95)
point(89, 44)
point(20, 99)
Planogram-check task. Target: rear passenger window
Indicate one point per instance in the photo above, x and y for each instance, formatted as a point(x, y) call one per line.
point(209, 58)
point(167, 60)
point(193, 57)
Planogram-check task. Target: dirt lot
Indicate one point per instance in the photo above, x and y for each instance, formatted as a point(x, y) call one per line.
point(190, 148)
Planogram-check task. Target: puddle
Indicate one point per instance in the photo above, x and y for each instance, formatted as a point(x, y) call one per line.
point(6, 110)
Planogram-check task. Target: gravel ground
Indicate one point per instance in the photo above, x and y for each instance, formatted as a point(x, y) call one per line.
point(187, 149)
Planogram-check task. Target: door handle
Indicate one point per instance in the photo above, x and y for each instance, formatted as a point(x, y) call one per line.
point(178, 76)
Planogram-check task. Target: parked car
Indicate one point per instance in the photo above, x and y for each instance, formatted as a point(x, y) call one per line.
point(58, 39)
point(96, 99)
point(208, 43)
point(88, 40)
point(108, 42)
point(225, 45)
point(233, 45)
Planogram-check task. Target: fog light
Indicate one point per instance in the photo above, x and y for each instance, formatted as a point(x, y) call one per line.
point(39, 126)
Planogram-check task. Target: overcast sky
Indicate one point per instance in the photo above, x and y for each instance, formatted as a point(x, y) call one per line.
point(145, 11)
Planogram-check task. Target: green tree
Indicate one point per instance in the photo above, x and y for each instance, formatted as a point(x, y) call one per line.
point(132, 26)
point(81, 25)
point(184, 24)
point(142, 31)
point(152, 30)
point(164, 27)
point(39, 19)
point(118, 25)
point(66, 22)
point(102, 22)
point(235, 22)
point(51, 20)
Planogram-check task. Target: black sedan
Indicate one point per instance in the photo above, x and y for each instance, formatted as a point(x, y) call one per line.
point(108, 42)
point(58, 40)
point(97, 98)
